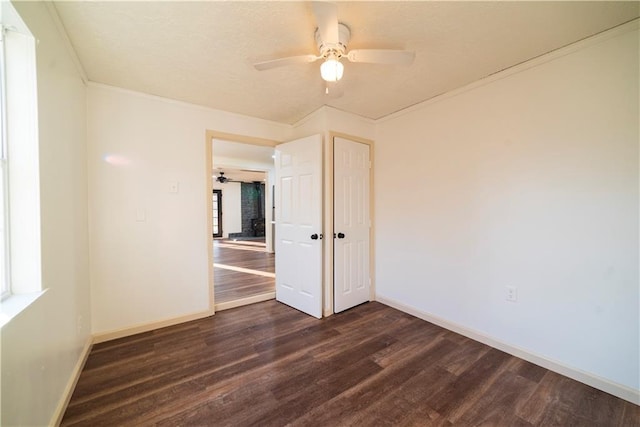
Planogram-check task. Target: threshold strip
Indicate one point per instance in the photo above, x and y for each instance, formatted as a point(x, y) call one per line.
point(244, 270)
point(244, 242)
point(244, 248)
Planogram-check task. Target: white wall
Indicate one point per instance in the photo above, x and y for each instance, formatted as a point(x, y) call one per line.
point(328, 119)
point(156, 269)
point(231, 207)
point(312, 124)
point(351, 124)
point(530, 181)
point(43, 344)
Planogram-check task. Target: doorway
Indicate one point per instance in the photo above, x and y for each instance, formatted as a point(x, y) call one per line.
point(243, 260)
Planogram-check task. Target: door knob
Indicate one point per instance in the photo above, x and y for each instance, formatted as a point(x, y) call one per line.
point(340, 235)
point(314, 236)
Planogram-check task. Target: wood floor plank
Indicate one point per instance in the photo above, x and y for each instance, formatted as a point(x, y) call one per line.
point(333, 382)
point(269, 365)
point(461, 359)
point(230, 285)
point(412, 340)
point(469, 386)
point(495, 404)
point(355, 405)
point(255, 259)
point(528, 370)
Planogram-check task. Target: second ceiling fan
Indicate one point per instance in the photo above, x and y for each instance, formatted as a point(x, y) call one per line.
point(332, 38)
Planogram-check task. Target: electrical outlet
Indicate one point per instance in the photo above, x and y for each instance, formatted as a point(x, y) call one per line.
point(512, 293)
point(174, 187)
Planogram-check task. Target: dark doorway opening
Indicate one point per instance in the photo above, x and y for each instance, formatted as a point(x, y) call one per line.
point(217, 213)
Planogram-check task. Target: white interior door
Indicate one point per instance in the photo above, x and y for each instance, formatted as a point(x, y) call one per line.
point(351, 224)
point(299, 224)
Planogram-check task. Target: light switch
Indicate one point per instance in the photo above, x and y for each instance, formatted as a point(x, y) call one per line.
point(173, 187)
point(141, 215)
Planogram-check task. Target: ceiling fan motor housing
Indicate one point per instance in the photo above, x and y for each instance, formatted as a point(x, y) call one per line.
point(222, 179)
point(344, 35)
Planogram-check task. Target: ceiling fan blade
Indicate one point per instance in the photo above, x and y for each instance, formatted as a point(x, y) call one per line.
point(327, 20)
point(381, 56)
point(333, 89)
point(282, 62)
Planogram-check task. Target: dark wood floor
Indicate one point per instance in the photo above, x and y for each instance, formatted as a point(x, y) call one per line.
point(230, 285)
point(269, 365)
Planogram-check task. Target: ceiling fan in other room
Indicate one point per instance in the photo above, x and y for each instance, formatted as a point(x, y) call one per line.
point(332, 38)
point(222, 179)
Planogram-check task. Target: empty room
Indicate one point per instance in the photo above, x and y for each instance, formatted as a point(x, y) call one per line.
point(320, 213)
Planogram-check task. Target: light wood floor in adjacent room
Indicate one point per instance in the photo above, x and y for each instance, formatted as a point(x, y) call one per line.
point(269, 365)
point(241, 269)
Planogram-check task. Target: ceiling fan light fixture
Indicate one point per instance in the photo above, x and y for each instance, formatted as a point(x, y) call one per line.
point(331, 70)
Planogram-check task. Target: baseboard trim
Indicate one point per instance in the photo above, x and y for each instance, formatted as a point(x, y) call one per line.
point(245, 301)
point(71, 384)
point(619, 390)
point(146, 327)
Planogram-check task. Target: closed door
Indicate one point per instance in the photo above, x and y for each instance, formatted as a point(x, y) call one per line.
point(351, 224)
point(298, 217)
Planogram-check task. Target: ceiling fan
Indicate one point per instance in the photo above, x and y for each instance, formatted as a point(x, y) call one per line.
point(222, 179)
point(332, 38)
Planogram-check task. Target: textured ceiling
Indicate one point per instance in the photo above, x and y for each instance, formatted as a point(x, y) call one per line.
point(201, 52)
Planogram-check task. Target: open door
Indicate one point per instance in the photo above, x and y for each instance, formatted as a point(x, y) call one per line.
point(298, 217)
point(351, 223)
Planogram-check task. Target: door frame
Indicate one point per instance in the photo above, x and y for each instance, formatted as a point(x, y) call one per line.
point(328, 218)
point(210, 135)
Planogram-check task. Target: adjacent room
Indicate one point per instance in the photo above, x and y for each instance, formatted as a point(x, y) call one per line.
point(320, 213)
point(242, 210)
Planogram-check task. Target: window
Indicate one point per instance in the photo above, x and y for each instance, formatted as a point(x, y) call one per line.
point(5, 260)
point(5, 273)
point(20, 258)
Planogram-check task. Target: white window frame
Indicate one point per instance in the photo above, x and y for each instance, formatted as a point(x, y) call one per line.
point(23, 278)
point(5, 255)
